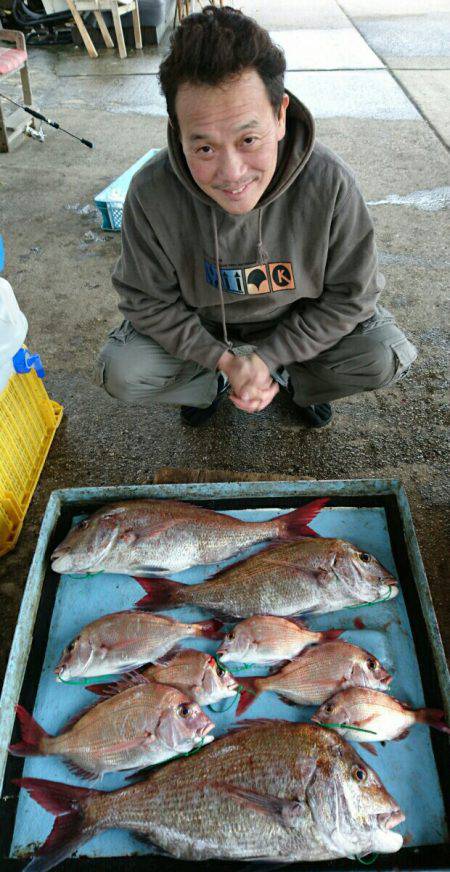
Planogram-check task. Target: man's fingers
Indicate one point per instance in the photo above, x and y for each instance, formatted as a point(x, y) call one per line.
point(255, 404)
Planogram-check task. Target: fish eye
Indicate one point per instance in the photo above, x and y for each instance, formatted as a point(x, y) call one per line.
point(83, 524)
point(371, 664)
point(329, 708)
point(220, 670)
point(184, 710)
point(359, 774)
point(364, 557)
point(231, 635)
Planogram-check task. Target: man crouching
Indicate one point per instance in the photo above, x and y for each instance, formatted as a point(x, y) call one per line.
point(248, 254)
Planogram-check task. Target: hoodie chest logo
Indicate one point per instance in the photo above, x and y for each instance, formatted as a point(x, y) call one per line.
point(252, 280)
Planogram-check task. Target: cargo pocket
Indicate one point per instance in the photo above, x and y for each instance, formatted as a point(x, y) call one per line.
point(99, 374)
point(122, 333)
point(405, 354)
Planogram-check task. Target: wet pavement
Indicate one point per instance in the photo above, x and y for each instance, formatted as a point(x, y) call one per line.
point(376, 82)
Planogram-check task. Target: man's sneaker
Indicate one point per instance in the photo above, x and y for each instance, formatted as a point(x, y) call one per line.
point(196, 417)
point(317, 415)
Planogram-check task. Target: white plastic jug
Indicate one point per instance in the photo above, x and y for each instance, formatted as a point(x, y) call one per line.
point(13, 330)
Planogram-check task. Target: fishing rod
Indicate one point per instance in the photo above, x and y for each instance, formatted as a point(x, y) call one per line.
point(42, 117)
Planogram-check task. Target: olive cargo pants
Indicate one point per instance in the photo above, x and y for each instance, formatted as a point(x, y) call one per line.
point(134, 369)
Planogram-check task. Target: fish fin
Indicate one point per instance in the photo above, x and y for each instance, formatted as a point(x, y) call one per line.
point(298, 623)
point(370, 748)
point(329, 635)
point(80, 772)
point(167, 658)
point(132, 535)
point(146, 840)
point(248, 694)
point(287, 701)
point(103, 690)
point(401, 736)
point(131, 679)
point(31, 735)
point(150, 571)
point(142, 774)
point(283, 811)
point(68, 833)
point(161, 593)
point(295, 524)
point(210, 629)
point(254, 723)
point(433, 718)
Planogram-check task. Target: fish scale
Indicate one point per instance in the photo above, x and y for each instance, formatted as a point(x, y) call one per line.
point(124, 640)
point(182, 810)
point(148, 537)
point(135, 728)
point(315, 575)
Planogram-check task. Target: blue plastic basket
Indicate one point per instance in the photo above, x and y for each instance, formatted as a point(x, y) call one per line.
point(110, 201)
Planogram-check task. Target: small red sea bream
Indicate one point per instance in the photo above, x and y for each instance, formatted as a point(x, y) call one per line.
point(145, 724)
point(311, 576)
point(380, 717)
point(317, 674)
point(149, 537)
point(271, 790)
point(195, 673)
point(268, 639)
point(124, 641)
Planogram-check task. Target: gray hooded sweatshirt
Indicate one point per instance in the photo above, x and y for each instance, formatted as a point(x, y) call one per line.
point(300, 268)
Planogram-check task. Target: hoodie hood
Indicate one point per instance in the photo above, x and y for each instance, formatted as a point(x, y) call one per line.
point(294, 151)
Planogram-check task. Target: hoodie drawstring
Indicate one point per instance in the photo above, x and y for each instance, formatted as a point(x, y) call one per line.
point(261, 253)
point(219, 279)
point(261, 257)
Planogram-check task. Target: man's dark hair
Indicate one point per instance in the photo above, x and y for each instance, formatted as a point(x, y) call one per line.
point(210, 46)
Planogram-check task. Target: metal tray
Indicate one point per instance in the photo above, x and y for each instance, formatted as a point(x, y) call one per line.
point(403, 634)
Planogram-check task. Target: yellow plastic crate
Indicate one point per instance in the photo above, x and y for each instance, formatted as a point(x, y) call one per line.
point(28, 421)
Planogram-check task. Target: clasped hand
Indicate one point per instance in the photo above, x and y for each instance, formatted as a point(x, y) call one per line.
point(252, 386)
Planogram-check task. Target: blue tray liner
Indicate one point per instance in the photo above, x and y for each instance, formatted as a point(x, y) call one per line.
point(407, 768)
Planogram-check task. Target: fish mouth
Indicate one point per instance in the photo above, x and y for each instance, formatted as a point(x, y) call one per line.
point(389, 819)
point(203, 731)
point(386, 680)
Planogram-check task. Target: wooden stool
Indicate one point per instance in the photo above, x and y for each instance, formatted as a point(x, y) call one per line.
point(117, 9)
point(14, 60)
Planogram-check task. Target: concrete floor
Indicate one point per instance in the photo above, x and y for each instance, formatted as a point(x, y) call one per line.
point(376, 82)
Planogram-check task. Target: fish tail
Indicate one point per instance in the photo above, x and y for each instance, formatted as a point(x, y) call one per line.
point(69, 830)
point(433, 718)
point(209, 629)
point(32, 735)
point(248, 694)
point(329, 635)
point(296, 524)
point(161, 593)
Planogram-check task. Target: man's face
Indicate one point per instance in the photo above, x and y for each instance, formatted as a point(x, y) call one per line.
point(229, 135)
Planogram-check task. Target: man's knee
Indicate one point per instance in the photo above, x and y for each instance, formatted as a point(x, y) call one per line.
point(133, 371)
point(359, 363)
point(391, 360)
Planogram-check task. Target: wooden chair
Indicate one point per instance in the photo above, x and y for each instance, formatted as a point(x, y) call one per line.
point(185, 7)
point(117, 9)
point(14, 60)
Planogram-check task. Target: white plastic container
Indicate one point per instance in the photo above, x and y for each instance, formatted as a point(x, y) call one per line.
point(13, 330)
point(52, 6)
